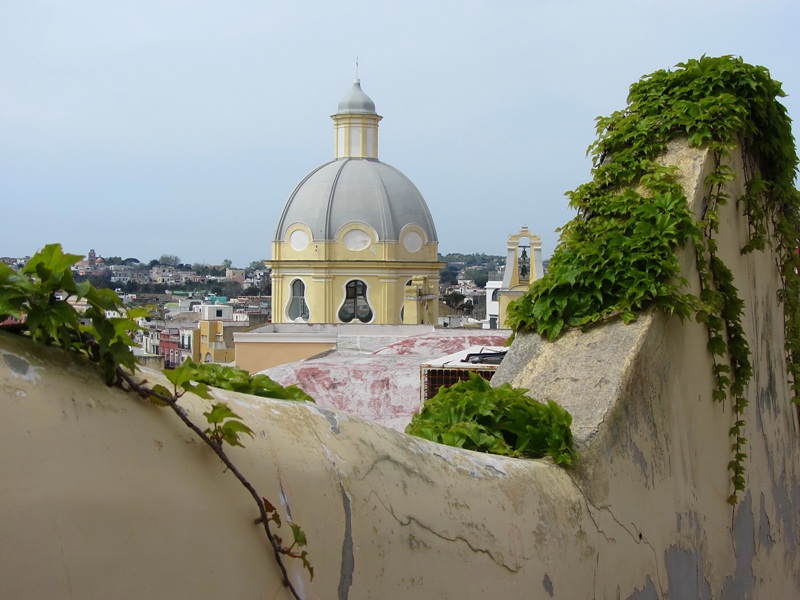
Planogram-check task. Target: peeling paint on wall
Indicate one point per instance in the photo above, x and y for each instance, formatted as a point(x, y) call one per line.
point(19, 366)
point(348, 560)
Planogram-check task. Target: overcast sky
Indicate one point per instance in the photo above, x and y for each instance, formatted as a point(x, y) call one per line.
point(149, 127)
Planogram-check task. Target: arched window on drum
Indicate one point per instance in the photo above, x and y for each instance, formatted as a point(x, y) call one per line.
point(355, 305)
point(298, 309)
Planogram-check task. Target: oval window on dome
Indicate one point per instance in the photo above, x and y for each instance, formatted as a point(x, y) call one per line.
point(357, 239)
point(298, 240)
point(412, 241)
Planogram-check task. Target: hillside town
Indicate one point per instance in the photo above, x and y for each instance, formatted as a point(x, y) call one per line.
point(196, 308)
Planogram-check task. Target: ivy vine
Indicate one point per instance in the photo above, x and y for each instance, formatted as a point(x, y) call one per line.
point(618, 256)
point(39, 302)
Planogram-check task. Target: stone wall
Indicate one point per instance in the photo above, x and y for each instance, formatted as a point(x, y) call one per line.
point(107, 496)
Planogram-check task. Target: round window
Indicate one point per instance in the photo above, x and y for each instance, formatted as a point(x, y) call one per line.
point(412, 241)
point(357, 239)
point(298, 240)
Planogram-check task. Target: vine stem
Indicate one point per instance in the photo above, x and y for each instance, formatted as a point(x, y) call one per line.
point(172, 402)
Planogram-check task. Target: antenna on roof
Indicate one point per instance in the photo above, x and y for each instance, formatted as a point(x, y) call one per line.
point(356, 67)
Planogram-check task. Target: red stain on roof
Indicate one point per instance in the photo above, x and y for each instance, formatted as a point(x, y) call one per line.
point(382, 386)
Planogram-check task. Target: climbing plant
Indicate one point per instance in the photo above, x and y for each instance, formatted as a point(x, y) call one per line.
point(618, 256)
point(39, 302)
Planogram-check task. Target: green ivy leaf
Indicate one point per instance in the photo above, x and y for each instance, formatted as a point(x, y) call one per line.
point(161, 390)
point(298, 534)
point(219, 412)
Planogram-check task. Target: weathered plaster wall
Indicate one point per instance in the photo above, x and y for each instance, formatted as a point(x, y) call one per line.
point(655, 447)
point(106, 496)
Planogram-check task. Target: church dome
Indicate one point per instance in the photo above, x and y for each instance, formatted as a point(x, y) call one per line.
point(350, 190)
point(355, 241)
point(356, 187)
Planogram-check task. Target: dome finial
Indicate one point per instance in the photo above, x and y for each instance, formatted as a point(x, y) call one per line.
point(356, 68)
point(356, 101)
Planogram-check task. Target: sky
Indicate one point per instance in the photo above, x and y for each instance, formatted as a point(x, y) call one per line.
point(149, 127)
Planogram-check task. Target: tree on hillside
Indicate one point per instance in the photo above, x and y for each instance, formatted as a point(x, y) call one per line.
point(226, 288)
point(454, 299)
point(169, 259)
point(448, 275)
point(102, 280)
point(256, 265)
point(479, 276)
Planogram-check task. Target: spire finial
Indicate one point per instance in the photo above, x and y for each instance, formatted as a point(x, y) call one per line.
point(356, 67)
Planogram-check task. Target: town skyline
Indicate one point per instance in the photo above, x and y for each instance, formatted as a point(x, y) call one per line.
point(176, 259)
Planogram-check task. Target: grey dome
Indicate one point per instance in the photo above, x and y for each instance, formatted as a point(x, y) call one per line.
point(356, 190)
point(356, 101)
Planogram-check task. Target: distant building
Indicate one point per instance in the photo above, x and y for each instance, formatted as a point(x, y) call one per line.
point(91, 265)
point(162, 273)
point(216, 312)
point(190, 343)
point(236, 275)
point(492, 303)
point(150, 338)
point(170, 347)
point(217, 325)
point(355, 242)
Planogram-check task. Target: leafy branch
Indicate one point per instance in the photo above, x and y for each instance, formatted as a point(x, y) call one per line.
point(226, 426)
point(39, 302)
